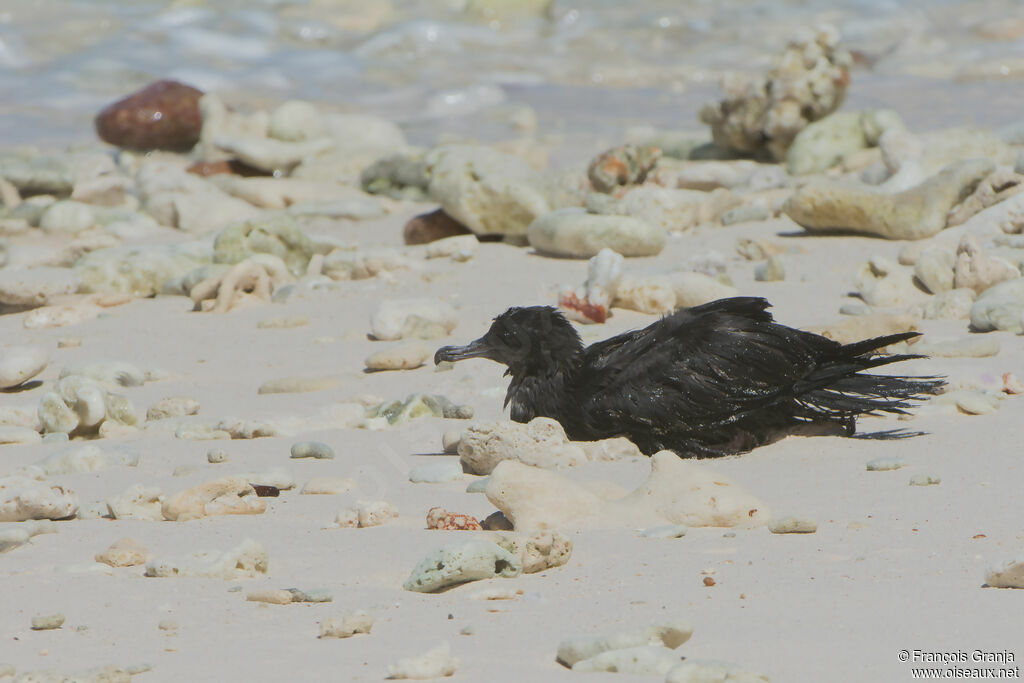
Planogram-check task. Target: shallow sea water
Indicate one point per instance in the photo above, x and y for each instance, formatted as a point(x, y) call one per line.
point(588, 70)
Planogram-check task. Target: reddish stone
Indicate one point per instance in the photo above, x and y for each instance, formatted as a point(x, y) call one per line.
point(439, 518)
point(163, 115)
point(428, 227)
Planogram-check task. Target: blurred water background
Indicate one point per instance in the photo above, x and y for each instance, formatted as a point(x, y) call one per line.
point(579, 71)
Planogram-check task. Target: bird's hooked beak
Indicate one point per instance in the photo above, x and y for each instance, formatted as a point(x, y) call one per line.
point(476, 349)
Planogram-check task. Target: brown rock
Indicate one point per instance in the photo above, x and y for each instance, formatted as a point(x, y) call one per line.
point(428, 227)
point(163, 115)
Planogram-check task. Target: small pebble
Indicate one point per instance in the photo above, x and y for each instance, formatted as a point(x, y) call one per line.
point(167, 625)
point(272, 597)
point(450, 441)
point(771, 270)
point(347, 626)
point(854, 308)
point(282, 323)
point(69, 343)
point(478, 485)
point(793, 525)
point(312, 595)
point(312, 449)
point(216, 455)
point(665, 531)
point(47, 622)
point(297, 385)
point(925, 480)
point(885, 464)
point(708, 581)
point(1008, 574)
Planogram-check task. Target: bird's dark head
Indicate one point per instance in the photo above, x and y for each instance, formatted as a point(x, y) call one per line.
point(527, 340)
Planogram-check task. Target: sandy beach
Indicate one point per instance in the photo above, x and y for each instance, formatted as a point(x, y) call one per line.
point(172, 336)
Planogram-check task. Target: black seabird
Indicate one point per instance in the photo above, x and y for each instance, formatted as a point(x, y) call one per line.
point(705, 381)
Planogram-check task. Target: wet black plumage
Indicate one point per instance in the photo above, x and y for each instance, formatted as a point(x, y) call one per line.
point(704, 381)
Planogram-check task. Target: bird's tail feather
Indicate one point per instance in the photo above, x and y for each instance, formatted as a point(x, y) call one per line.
point(841, 389)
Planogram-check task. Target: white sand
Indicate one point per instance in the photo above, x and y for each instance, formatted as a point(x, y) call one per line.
point(890, 567)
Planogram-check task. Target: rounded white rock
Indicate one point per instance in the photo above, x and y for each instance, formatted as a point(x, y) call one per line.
point(296, 121)
point(19, 364)
point(392, 318)
point(35, 286)
point(67, 217)
point(575, 233)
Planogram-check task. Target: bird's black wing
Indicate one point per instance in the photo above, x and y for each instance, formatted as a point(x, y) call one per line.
point(698, 368)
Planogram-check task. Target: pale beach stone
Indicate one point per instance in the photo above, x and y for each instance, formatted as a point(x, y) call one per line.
point(576, 233)
point(347, 626)
point(402, 357)
point(35, 286)
point(538, 551)
point(435, 663)
point(885, 464)
point(694, 289)
point(173, 406)
point(952, 305)
point(296, 121)
point(792, 525)
point(541, 442)
point(977, 270)
point(394, 318)
point(668, 635)
point(533, 498)
point(485, 190)
point(1009, 574)
point(677, 491)
point(916, 213)
point(268, 154)
point(227, 496)
point(641, 660)
point(137, 502)
point(460, 563)
point(654, 295)
point(47, 622)
point(10, 434)
point(125, 552)
point(22, 498)
point(17, 534)
point(312, 449)
point(934, 269)
point(87, 459)
point(18, 364)
point(1000, 307)
point(457, 247)
point(246, 560)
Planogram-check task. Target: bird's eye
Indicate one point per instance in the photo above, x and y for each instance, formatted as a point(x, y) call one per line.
point(509, 337)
